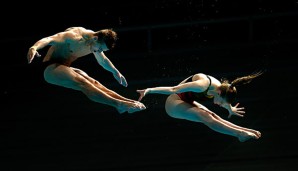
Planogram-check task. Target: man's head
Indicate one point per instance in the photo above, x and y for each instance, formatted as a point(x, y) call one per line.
point(107, 36)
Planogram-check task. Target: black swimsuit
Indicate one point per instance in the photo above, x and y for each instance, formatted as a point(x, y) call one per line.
point(190, 97)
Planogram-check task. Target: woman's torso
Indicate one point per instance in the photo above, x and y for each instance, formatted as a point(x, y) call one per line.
point(189, 97)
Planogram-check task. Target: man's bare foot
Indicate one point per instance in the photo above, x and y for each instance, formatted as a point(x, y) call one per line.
point(258, 133)
point(121, 110)
point(138, 106)
point(131, 107)
point(245, 135)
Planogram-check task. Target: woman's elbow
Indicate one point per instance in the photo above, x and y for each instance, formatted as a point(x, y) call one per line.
point(174, 90)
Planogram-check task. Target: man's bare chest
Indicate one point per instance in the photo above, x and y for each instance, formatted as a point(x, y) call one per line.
point(74, 48)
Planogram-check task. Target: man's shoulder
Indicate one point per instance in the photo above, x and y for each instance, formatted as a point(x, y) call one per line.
point(72, 28)
point(79, 30)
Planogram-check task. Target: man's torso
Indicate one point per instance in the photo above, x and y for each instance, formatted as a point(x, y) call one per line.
point(70, 48)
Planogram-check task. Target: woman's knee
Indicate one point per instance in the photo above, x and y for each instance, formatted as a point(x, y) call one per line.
point(172, 114)
point(201, 116)
point(208, 119)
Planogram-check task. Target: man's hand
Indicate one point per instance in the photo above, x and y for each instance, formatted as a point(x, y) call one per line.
point(120, 78)
point(31, 54)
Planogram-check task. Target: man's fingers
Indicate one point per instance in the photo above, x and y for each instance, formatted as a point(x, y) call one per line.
point(123, 81)
point(29, 59)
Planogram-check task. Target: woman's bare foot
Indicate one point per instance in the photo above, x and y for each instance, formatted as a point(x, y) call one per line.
point(245, 135)
point(257, 133)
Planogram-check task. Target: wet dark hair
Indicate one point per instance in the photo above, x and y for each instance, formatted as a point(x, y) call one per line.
point(108, 36)
point(229, 91)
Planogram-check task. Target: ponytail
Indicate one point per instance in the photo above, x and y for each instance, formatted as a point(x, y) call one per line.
point(246, 79)
point(229, 92)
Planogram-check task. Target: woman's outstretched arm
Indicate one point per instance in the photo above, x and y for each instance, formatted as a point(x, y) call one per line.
point(195, 86)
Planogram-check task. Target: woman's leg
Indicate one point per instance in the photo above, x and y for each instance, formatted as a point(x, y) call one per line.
point(67, 77)
point(179, 109)
point(257, 133)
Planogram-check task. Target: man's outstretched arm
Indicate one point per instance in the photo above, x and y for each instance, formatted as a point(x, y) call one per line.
point(108, 65)
point(32, 52)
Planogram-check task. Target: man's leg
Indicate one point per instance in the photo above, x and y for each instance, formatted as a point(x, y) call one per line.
point(102, 87)
point(66, 77)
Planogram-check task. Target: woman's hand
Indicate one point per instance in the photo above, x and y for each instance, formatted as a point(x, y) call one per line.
point(234, 110)
point(142, 93)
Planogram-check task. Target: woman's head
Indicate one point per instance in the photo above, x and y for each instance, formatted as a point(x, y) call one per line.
point(228, 90)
